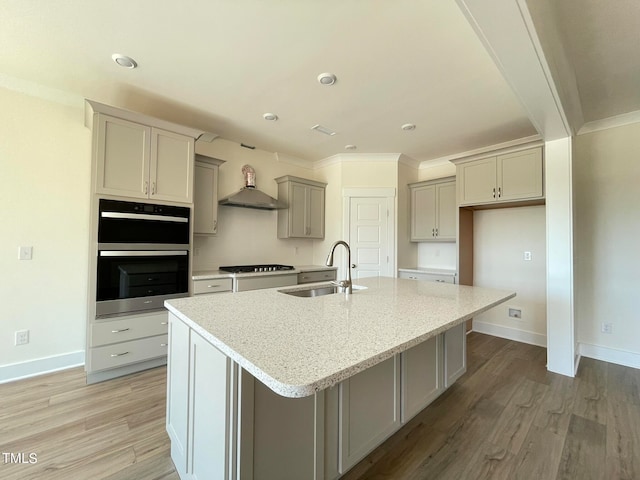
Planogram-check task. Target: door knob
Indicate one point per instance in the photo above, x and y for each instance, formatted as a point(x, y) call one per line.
point(353, 265)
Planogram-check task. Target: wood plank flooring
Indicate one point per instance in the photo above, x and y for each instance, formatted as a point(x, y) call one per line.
point(509, 418)
point(506, 418)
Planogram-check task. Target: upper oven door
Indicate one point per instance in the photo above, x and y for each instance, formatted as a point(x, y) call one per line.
point(141, 223)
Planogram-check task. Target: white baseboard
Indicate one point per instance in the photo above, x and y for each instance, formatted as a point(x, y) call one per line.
point(40, 366)
point(510, 333)
point(611, 355)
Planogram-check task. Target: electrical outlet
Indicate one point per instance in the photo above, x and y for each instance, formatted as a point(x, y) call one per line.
point(515, 313)
point(22, 337)
point(607, 328)
point(527, 256)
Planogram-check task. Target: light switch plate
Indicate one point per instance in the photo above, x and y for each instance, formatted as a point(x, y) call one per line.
point(25, 253)
point(527, 256)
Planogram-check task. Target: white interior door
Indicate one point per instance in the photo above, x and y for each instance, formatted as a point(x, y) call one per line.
point(369, 237)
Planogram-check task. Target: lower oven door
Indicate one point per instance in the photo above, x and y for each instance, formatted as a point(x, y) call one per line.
point(136, 280)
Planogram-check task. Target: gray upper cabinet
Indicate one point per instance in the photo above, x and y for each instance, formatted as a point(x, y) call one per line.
point(304, 215)
point(503, 178)
point(205, 199)
point(137, 158)
point(433, 210)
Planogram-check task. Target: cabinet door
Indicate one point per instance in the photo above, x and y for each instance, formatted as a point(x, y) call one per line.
point(446, 224)
point(122, 163)
point(205, 200)
point(369, 410)
point(477, 181)
point(315, 212)
point(421, 368)
point(298, 210)
point(211, 406)
point(423, 213)
point(171, 172)
point(520, 175)
point(455, 354)
point(287, 435)
point(178, 392)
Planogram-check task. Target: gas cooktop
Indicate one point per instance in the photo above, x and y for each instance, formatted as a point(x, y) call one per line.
point(270, 267)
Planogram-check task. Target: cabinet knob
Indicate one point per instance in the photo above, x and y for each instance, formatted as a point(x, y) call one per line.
point(436, 232)
point(494, 193)
point(146, 187)
point(215, 226)
point(499, 192)
point(153, 188)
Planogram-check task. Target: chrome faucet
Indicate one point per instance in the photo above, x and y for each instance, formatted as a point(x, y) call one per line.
point(343, 285)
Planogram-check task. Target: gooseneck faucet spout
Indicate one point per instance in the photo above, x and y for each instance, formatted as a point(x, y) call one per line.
point(344, 285)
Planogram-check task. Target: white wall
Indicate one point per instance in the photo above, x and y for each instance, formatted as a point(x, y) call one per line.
point(248, 236)
point(44, 183)
point(607, 229)
point(501, 237)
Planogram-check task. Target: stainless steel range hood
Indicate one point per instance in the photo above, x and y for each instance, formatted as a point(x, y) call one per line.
point(249, 196)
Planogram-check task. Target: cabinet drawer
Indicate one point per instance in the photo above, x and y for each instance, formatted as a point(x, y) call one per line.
point(319, 276)
point(128, 328)
point(211, 285)
point(111, 356)
point(428, 277)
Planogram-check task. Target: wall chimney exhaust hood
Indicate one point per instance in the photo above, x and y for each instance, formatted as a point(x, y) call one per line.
point(249, 196)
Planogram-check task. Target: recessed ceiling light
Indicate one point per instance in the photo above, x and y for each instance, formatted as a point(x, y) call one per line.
point(327, 78)
point(323, 129)
point(272, 117)
point(408, 127)
point(350, 147)
point(124, 61)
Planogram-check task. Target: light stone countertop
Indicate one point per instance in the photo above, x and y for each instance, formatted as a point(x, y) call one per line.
point(213, 274)
point(436, 271)
point(298, 346)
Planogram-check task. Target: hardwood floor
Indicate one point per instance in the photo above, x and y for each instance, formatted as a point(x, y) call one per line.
point(113, 430)
point(506, 418)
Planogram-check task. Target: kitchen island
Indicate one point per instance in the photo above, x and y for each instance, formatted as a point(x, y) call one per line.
point(264, 384)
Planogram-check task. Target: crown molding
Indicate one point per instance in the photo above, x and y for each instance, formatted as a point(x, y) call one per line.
point(365, 157)
point(524, 142)
point(34, 89)
point(610, 122)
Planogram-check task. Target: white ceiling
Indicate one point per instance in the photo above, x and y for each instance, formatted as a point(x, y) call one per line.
point(218, 65)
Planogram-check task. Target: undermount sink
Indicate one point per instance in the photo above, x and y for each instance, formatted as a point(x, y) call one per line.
point(317, 291)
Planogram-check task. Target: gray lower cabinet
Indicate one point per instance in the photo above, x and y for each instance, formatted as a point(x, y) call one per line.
point(125, 344)
point(422, 376)
point(369, 411)
point(224, 424)
point(200, 401)
point(455, 354)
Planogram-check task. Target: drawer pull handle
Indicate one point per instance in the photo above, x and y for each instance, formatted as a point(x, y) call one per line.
point(163, 345)
point(304, 278)
point(119, 354)
point(120, 331)
point(164, 323)
point(212, 286)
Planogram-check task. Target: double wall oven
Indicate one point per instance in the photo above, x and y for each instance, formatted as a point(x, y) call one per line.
point(143, 256)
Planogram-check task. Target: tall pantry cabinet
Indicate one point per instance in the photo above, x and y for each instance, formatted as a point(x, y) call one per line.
point(143, 159)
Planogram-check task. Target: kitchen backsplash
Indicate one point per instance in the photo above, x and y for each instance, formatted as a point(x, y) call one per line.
point(437, 255)
point(247, 236)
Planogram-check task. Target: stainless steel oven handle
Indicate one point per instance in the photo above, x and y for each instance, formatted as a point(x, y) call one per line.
point(142, 253)
point(143, 216)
